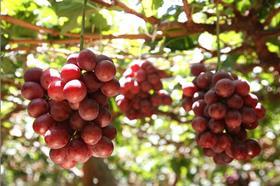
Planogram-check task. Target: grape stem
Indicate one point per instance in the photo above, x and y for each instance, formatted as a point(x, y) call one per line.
point(218, 37)
point(83, 26)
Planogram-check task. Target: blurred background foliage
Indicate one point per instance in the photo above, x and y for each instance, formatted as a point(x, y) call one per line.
point(172, 34)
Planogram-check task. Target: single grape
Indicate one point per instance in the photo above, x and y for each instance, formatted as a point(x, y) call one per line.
point(210, 97)
point(233, 119)
point(105, 70)
point(189, 89)
point(55, 90)
point(56, 137)
point(91, 134)
point(37, 107)
point(207, 140)
point(222, 159)
point(198, 107)
point(197, 68)
point(69, 72)
point(104, 117)
point(253, 148)
point(74, 91)
point(111, 88)
point(248, 115)
point(203, 80)
point(91, 81)
point(217, 110)
point(199, 124)
point(72, 58)
point(187, 104)
point(103, 148)
point(102, 57)
point(251, 100)
point(42, 123)
point(260, 111)
point(216, 126)
point(88, 109)
point(33, 74)
point(220, 75)
point(235, 101)
point(31, 90)
point(109, 131)
point(224, 87)
point(58, 155)
point(86, 60)
point(78, 150)
point(59, 111)
point(242, 87)
point(76, 122)
point(48, 76)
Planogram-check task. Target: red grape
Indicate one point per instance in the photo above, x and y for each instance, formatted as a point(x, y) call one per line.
point(86, 60)
point(72, 58)
point(111, 88)
point(70, 72)
point(253, 148)
point(76, 122)
point(74, 91)
point(109, 131)
point(199, 124)
point(33, 74)
point(58, 155)
point(242, 87)
point(91, 134)
point(91, 81)
point(217, 110)
point(104, 117)
point(55, 90)
point(207, 140)
point(224, 87)
point(197, 68)
point(48, 76)
point(37, 107)
point(56, 137)
point(43, 123)
point(104, 147)
point(59, 111)
point(89, 109)
point(78, 150)
point(105, 70)
point(31, 90)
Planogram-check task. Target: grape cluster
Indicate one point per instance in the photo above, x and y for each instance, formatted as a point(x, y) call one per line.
point(71, 107)
point(224, 109)
point(141, 90)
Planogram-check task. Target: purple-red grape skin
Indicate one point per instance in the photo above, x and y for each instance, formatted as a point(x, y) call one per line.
point(86, 60)
point(33, 74)
point(74, 91)
point(37, 107)
point(31, 90)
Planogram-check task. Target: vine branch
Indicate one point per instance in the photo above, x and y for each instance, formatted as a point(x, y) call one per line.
point(271, 15)
point(126, 9)
point(187, 10)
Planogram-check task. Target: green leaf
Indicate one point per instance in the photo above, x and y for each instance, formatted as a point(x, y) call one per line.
point(7, 66)
point(183, 43)
point(230, 61)
point(100, 22)
point(71, 9)
point(157, 4)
